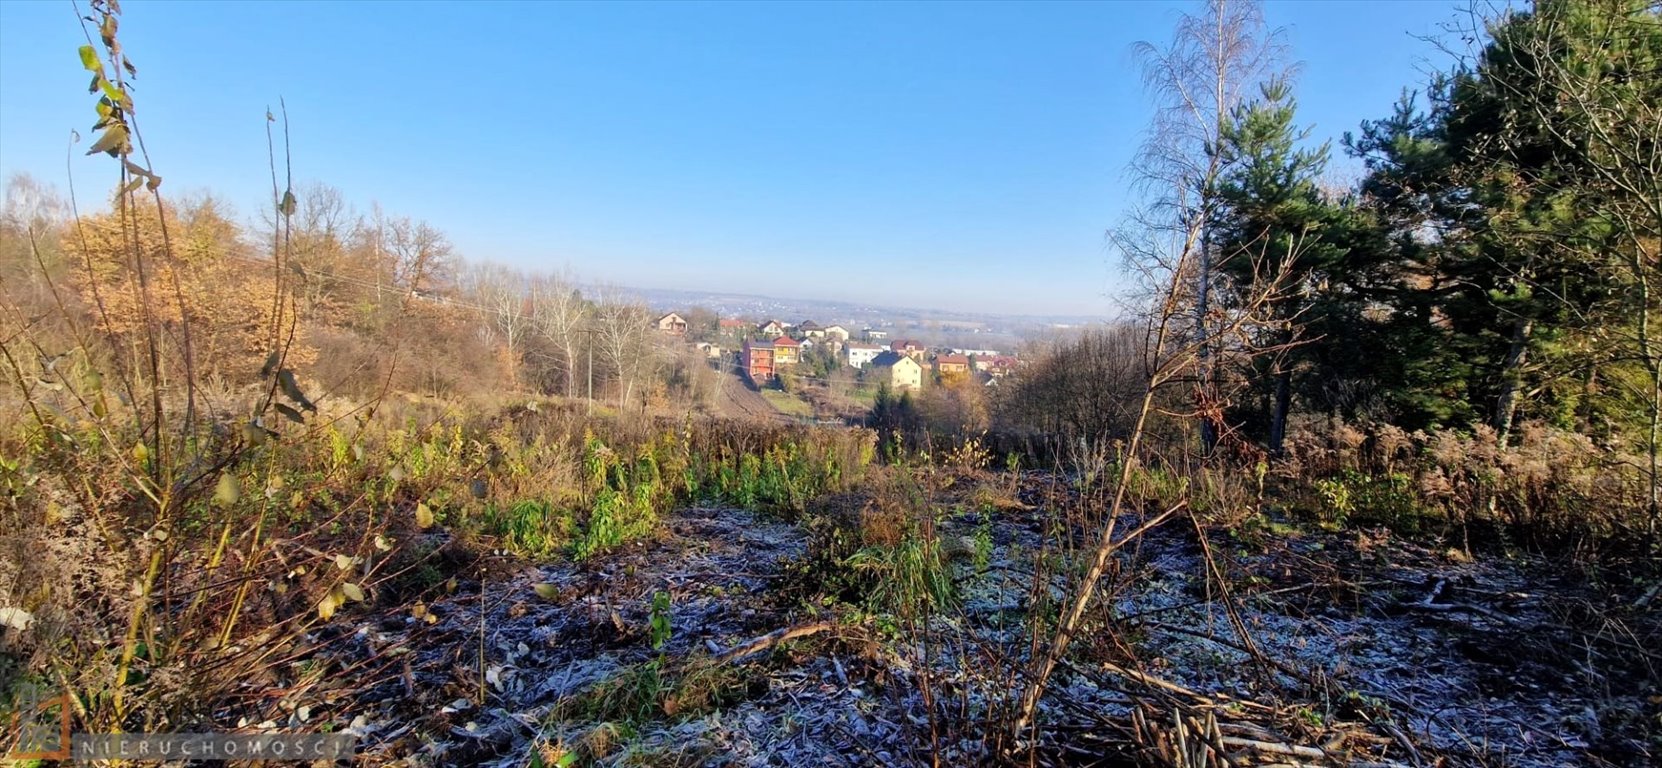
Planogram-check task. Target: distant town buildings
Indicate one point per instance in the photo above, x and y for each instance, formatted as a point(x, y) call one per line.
point(899, 371)
point(951, 364)
point(860, 354)
point(758, 361)
point(769, 347)
point(786, 351)
point(672, 324)
point(908, 347)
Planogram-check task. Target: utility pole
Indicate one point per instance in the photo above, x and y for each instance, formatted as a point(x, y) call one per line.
point(589, 334)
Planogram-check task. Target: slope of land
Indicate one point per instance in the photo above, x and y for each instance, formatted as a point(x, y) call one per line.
point(1334, 649)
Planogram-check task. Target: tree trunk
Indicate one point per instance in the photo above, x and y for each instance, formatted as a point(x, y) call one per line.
point(1208, 431)
point(1278, 412)
point(1506, 405)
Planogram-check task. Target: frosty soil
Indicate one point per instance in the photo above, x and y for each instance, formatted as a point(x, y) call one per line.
point(1349, 649)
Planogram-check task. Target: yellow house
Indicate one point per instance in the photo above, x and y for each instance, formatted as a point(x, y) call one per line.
point(898, 371)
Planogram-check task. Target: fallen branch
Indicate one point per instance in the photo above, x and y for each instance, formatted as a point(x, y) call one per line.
point(771, 639)
point(1274, 748)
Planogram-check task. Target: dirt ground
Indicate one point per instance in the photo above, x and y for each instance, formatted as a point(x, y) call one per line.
point(1348, 649)
point(739, 400)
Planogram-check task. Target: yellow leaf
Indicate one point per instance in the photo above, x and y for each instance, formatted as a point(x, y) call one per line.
point(424, 516)
point(228, 490)
point(382, 543)
point(352, 592)
point(141, 452)
point(547, 591)
point(326, 607)
point(343, 562)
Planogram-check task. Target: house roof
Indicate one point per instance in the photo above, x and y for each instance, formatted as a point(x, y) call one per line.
point(766, 323)
point(900, 344)
point(888, 359)
point(952, 359)
point(734, 323)
point(758, 344)
point(786, 341)
point(861, 345)
point(808, 325)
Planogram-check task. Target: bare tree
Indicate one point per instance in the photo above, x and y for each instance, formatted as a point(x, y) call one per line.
point(504, 304)
point(1212, 61)
point(621, 328)
point(322, 233)
point(558, 315)
point(1197, 80)
point(421, 257)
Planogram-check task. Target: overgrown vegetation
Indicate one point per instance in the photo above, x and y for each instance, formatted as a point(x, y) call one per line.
point(242, 465)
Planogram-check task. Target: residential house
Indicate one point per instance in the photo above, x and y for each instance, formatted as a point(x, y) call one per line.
point(899, 371)
point(952, 364)
point(836, 332)
point(759, 361)
point(672, 324)
point(710, 350)
point(908, 347)
point(786, 351)
point(809, 329)
point(733, 325)
point(872, 334)
point(860, 354)
point(997, 365)
point(771, 329)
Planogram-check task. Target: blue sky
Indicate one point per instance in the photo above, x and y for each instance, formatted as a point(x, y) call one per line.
point(960, 156)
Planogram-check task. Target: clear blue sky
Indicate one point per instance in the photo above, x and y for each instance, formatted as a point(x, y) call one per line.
point(942, 155)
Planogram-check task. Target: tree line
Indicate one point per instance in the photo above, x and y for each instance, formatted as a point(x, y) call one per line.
point(378, 300)
point(1497, 263)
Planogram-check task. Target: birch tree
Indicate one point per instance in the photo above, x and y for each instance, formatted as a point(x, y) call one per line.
point(558, 315)
point(1214, 59)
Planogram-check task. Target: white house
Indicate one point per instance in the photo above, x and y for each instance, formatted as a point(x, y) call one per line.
point(836, 332)
point(860, 354)
point(901, 372)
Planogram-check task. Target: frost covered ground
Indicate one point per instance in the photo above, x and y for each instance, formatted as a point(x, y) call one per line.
point(1325, 648)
